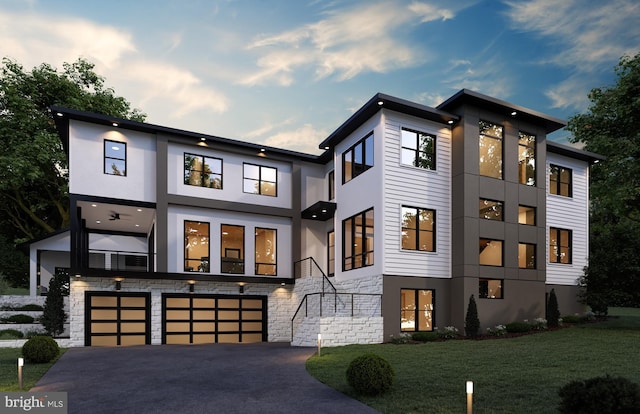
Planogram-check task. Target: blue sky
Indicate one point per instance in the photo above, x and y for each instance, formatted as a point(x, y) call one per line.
point(287, 73)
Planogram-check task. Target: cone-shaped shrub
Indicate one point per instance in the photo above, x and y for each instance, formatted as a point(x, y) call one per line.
point(472, 323)
point(553, 313)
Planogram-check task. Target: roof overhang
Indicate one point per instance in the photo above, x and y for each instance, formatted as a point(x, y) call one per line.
point(567, 151)
point(320, 211)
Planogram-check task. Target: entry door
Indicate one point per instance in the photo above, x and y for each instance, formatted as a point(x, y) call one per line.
point(117, 318)
point(196, 319)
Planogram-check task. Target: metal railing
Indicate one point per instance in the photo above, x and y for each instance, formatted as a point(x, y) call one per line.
point(118, 260)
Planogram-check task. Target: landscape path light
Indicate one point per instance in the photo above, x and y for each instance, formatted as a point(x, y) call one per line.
point(319, 343)
point(20, 365)
point(469, 397)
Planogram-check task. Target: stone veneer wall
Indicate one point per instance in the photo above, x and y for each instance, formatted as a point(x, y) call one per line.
point(279, 303)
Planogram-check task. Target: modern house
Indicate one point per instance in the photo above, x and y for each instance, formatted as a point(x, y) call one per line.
point(180, 237)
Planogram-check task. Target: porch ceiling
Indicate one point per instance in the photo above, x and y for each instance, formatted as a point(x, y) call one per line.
point(116, 217)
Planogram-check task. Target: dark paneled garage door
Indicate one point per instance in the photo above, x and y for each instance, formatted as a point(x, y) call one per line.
point(117, 318)
point(197, 319)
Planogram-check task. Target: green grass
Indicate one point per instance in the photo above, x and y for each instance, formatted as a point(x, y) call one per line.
point(511, 375)
point(31, 373)
point(16, 291)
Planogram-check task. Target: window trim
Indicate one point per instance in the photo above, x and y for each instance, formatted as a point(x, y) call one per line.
point(331, 178)
point(206, 268)
point(260, 180)
point(535, 256)
point(496, 138)
point(558, 238)
point(364, 254)
point(555, 185)
point(480, 292)
point(105, 157)
point(417, 150)
point(417, 229)
point(364, 167)
point(203, 157)
point(242, 252)
point(331, 248)
point(255, 252)
point(535, 157)
point(417, 309)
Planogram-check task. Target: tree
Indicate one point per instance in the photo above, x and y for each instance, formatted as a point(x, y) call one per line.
point(553, 312)
point(33, 165)
point(472, 323)
point(611, 127)
point(53, 316)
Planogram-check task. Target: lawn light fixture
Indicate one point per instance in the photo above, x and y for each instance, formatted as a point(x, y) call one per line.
point(319, 343)
point(469, 397)
point(20, 365)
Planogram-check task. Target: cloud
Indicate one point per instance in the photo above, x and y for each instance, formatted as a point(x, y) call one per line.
point(303, 139)
point(343, 44)
point(592, 36)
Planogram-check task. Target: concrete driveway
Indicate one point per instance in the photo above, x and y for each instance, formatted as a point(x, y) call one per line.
point(217, 378)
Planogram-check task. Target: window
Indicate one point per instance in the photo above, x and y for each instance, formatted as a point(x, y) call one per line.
point(332, 185)
point(527, 215)
point(490, 150)
point(526, 256)
point(331, 253)
point(418, 149)
point(196, 246)
point(266, 256)
point(259, 179)
point(357, 248)
point(357, 159)
point(490, 289)
point(418, 229)
point(559, 245)
point(232, 249)
point(490, 209)
point(491, 252)
point(115, 158)
point(202, 171)
point(560, 181)
point(527, 159)
point(416, 310)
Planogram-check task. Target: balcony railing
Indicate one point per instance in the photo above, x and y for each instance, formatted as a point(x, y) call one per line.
point(118, 260)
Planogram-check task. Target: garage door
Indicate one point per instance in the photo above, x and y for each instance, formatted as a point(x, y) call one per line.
point(117, 318)
point(197, 319)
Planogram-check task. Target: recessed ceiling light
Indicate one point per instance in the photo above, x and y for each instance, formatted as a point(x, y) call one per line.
point(203, 139)
point(139, 210)
point(98, 222)
point(327, 147)
point(314, 216)
point(324, 210)
point(94, 205)
point(59, 114)
point(450, 121)
point(380, 103)
point(514, 113)
point(262, 150)
point(137, 225)
point(115, 124)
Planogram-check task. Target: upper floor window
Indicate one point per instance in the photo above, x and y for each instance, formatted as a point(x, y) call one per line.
point(490, 149)
point(418, 229)
point(357, 248)
point(202, 171)
point(259, 179)
point(491, 252)
point(332, 185)
point(418, 149)
point(560, 181)
point(527, 215)
point(115, 157)
point(231, 249)
point(331, 253)
point(266, 255)
point(196, 246)
point(526, 256)
point(559, 245)
point(527, 159)
point(490, 209)
point(357, 159)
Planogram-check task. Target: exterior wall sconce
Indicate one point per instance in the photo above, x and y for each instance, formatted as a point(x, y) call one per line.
point(118, 284)
point(192, 286)
point(241, 289)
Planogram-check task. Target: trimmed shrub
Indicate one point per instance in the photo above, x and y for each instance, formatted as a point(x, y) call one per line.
point(518, 327)
point(425, 336)
point(553, 313)
point(30, 307)
point(600, 395)
point(20, 319)
point(40, 349)
point(472, 323)
point(11, 334)
point(53, 316)
point(370, 374)
point(573, 319)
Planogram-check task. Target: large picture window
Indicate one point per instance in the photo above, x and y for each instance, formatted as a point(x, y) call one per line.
point(202, 171)
point(259, 179)
point(266, 254)
point(357, 248)
point(527, 159)
point(418, 149)
point(560, 181)
point(418, 229)
point(491, 149)
point(115, 157)
point(559, 245)
point(357, 159)
point(491, 252)
point(232, 249)
point(416, 310)
point(196, 246)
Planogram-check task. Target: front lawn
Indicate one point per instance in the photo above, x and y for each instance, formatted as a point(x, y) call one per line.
point(511, 375)
point(31, 373)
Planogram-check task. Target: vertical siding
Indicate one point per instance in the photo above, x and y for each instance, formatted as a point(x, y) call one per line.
point(569, 213)
point(416, 187)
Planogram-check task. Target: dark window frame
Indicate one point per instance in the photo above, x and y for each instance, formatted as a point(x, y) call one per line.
point(255, 253)
point(500, 139)
point(417, 309)
point(205, 265)
point(535, 256)
point(555, 185)
point(429, 161)
point(501, 251)
point(260, 180)
point(483, 291)
point(227, 258)
point(202, 171)
point(124, 159)
point(354, 168)
point(331, 253)
point(332, 184)
point(418, 230)
point(568, 247)
point(485, 217)
point(535, 215)
point(363, 255)
point(535, 158)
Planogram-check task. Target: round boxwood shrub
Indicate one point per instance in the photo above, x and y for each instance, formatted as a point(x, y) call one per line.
point(600, 395)
point(370, 374)
point(518, 327)
point(10, 334)
point(40, 349)
point(20, 318)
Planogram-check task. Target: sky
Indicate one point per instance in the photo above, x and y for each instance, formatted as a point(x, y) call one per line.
point(288, 73)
